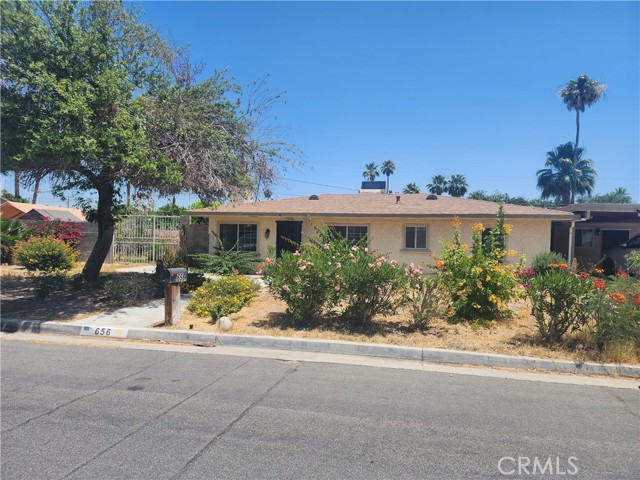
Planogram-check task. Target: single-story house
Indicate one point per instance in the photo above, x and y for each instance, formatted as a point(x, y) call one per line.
point(17, 210)
point(598, 227)
point(408, 227)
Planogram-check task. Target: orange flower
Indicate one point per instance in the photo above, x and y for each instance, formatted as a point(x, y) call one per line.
point(599, 284)
point(617, 297)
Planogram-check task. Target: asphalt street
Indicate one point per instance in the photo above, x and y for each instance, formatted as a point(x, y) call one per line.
point(81, 412)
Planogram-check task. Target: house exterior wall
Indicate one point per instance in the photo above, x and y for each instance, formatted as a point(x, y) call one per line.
point(591, 255)
point(530, 236)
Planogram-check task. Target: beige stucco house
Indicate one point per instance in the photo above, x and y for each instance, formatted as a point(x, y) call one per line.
point(409, 228)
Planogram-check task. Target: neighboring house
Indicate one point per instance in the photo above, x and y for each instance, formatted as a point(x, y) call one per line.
point(16, 210)
point(32, 212)
point(409, 228)
point(598, 227)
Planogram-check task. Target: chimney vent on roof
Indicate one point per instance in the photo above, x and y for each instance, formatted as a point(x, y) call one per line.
point(432, 197)
point(397, 198)
point(314, 197)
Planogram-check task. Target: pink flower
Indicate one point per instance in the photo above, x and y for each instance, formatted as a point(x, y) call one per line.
point(355, 248)
point(378, 265)
point(370, 265)
point(286, 288)
point(338, 265)
point(268, 261)
point(393, 263)
point(337, 289)
point(366, 249)
point(302, 268)
point(326, 246)
point(296, 253)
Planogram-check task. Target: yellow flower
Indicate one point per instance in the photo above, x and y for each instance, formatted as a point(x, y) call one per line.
point(478, 227)
point(508, 228)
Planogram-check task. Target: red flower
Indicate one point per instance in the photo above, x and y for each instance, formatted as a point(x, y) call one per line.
point(599, 284)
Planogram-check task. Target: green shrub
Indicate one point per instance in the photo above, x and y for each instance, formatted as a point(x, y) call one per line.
point(11, 231)
point(372, 285)
point(542, 260)
point(133, 287)
point(226, 262)
point(561, 301)
point(633, 262)
point(217, 298)
point(45, 254)
point(331, 271)
point(305, 281)
point(427, 298)
point(194, 281)
point(478, 283)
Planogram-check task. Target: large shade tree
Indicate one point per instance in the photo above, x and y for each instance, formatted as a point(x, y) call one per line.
point(95, 99)
point(387, 168)
point(578, 94)
point(561, 180)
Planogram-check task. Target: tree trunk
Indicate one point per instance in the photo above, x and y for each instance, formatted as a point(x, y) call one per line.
point(387, 183)
point(36, 189)
point(106, 227)
point(16, 184)
point(575, 155)
point(128, 194)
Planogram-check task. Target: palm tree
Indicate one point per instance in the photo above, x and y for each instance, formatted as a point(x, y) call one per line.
point(371, 171)
point(387, 168)
point(411, 188)
point(578, 94)
point(439, 185)
point(561, 179)
point(457, 186)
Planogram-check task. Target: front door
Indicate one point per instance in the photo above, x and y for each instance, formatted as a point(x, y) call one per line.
point(289, 236)
point(613, 238)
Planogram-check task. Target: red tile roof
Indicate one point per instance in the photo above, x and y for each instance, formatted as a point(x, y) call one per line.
point(379, 205)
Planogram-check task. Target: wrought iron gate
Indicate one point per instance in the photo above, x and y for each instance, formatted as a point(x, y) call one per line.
point(145, 238)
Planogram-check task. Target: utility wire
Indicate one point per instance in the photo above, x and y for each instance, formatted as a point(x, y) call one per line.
point(321, 184)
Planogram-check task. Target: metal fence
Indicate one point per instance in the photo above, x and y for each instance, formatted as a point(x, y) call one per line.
point(145, 238)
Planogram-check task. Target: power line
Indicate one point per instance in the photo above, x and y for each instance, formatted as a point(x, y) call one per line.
point(321, 184)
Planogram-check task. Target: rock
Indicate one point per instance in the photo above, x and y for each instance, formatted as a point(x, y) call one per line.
point(225, 323)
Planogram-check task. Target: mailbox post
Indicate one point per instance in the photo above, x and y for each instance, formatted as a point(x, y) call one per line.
point(172, 278)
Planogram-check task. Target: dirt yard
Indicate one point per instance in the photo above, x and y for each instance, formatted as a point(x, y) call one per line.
point(514, 336)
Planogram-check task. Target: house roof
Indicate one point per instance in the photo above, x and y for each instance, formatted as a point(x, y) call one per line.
point(379, 205)
point(607, 212)
point(64, 215)
point(18, 210)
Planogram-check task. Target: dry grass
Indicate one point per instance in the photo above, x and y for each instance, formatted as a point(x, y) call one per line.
point(515, 336)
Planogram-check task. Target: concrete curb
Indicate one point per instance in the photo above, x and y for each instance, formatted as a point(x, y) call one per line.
point(429, 355)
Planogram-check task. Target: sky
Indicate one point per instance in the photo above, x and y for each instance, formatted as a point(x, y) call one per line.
point(445, 88)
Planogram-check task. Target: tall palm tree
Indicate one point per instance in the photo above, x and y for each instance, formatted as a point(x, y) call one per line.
point(387, 168)
point(438, 185)
point(576, 95)
point(411, 188)
point(457, 186)
point(561, 179)
point(371, 171)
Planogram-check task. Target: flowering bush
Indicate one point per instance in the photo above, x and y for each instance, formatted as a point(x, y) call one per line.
point(372, 285)
point(330, 271)
point(615, 310)
point(426, 297)
point(543, 261)
point(221, 297)
point(68, 232)
point(477, 281)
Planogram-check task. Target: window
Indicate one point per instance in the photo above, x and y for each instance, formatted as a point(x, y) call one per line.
point(584, 237)
point(415, 237)
point(239, 236)
point(352, 233)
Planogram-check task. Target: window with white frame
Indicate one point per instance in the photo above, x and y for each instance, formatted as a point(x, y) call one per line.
point(584, 237)
point(239, 236)
point(353, 233)
point(416, 237)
